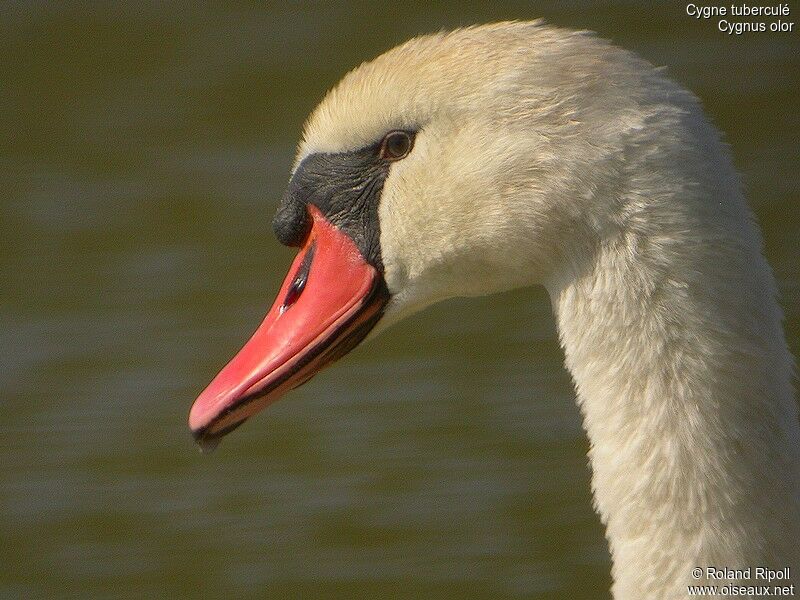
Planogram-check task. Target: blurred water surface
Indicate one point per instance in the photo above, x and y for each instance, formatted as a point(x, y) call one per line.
point(143, 149)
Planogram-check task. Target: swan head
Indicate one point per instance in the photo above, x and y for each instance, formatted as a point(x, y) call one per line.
point(457, 164)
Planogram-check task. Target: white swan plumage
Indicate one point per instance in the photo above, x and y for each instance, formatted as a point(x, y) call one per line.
point(549, 157)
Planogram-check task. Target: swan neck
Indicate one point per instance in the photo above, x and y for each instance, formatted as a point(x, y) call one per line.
point(683, 377)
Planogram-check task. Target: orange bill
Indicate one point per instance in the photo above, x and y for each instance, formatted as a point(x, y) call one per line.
point(327, 304)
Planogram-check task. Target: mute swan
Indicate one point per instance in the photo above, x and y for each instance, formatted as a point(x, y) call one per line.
point(514, 154)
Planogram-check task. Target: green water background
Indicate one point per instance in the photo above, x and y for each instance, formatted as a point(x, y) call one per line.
point(143, 149)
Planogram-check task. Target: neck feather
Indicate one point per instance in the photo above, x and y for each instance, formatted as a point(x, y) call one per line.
point(684, 380)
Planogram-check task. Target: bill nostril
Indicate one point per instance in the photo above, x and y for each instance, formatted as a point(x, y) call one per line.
point(294, 292)
point(299, 282)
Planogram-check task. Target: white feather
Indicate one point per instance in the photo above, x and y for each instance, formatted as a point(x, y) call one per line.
point(551, 157)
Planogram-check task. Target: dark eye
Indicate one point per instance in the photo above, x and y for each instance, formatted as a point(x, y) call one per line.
point(396, 145)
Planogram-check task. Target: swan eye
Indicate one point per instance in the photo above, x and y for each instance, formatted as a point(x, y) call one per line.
point(396, 145)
